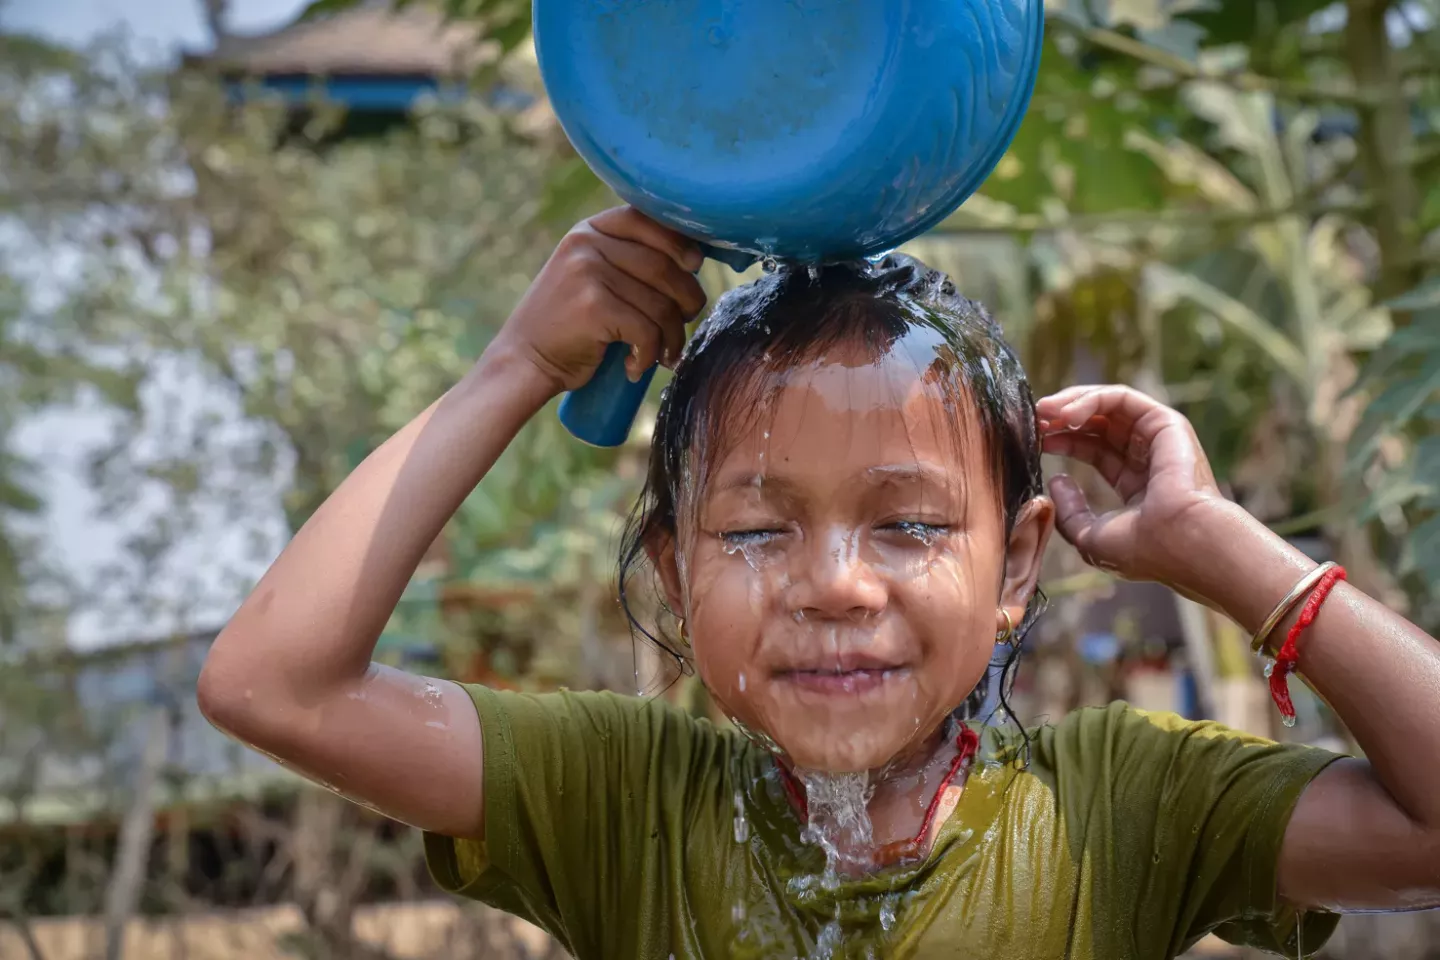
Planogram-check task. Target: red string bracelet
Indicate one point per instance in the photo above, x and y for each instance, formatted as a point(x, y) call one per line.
point(968, 742)
point(1289, 655)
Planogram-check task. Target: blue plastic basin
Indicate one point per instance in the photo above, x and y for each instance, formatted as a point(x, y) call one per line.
point(802, 129)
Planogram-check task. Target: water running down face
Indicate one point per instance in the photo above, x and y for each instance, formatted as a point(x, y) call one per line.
point(842, 546)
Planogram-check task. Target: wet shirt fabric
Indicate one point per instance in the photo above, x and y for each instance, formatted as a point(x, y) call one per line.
point(627, 828)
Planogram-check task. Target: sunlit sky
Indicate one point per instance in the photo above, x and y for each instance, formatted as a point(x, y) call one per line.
point(77, 540)
point(162, 25)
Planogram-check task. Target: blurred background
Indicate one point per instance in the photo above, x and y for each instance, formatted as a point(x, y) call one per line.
point(241, 241)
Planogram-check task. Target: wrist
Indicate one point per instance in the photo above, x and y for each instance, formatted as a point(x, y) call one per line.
point(511, 369)
point(1238, 566)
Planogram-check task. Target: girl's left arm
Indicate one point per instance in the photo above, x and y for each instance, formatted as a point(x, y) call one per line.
point(1366, 833)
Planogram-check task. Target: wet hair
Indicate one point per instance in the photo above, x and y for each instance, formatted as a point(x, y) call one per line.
point(793, 315)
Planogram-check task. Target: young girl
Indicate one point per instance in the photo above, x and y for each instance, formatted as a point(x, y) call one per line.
point(844, 515)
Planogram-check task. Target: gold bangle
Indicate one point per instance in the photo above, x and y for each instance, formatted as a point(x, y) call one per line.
point(1282, 609)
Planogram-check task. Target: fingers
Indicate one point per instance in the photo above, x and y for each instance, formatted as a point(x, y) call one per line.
point(627, 223)
point(652, 272)
point(1100, 541)
point(1140, 429)
point(659, 309)
point(1073, 516)
point(638, 276)
point(1076, 405)
point(655, 269)
point(628, 325)
point(1131, 421)
point(1088, 448)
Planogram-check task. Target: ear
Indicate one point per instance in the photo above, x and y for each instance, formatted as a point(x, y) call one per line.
point(660, 548)
point(1023, 556)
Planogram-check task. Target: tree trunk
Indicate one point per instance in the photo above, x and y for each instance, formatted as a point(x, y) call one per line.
point(122, 895)
point(1387, 145)
point(324, 892)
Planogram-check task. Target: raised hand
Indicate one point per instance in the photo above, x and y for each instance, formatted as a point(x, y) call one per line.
point(1149, 453)
point(618, 276)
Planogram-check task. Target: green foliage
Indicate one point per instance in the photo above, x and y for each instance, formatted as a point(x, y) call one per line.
point(507, 22)
point(1245, 22)
point(1395, 450)
point(1073, 147)
point(1161, 220)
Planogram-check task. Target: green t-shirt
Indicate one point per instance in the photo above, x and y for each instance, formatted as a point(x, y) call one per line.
point(611, 822)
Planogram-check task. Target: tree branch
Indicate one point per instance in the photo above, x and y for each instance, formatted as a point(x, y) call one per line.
point(1142, 219)
point(1185, 70)
point(216, 13)
point(27, 933)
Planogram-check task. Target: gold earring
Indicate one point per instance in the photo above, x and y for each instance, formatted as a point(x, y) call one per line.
point(684, 640)
point(1006, 636)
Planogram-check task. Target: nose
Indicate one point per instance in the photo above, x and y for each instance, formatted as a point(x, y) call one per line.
point(834, 582)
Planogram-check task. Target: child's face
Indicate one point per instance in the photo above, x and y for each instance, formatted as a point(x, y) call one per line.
point(843, 572)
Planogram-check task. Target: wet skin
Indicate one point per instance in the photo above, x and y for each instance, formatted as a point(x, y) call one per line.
point(285, 672)
point(846, 562)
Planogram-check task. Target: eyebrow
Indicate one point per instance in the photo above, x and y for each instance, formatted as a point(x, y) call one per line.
point(887, 475)
point(908, 473)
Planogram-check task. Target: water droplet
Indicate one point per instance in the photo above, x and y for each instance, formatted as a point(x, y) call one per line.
point(742, 826)
point(839, 820)
point(1269, 668)
point(923, 532)
point(767, 330)
point(737, 912)
point(814, 271)
point(1289, 721)
point(742, 681)
point(887, 913)
point(829, 940)
point(768, 264)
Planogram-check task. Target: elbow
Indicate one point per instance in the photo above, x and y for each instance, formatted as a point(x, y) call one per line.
point(226, 693)
point(216, 696)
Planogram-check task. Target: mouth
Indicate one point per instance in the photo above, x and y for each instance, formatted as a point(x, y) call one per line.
point(847, 674)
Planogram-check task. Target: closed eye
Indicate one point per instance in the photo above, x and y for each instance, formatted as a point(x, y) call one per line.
point(740, 538)
point(926, 533)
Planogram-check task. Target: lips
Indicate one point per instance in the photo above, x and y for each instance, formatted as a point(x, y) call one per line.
point(840, 673)
point(851, 661)
point(841, 682)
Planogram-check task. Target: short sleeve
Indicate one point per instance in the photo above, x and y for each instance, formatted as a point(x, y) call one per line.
point(1182, 824)
point(582, 795)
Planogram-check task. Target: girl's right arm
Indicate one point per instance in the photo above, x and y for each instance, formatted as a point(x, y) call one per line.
point(291, 676)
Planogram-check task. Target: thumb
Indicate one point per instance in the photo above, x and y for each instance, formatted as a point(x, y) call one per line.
point(1073, 516)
